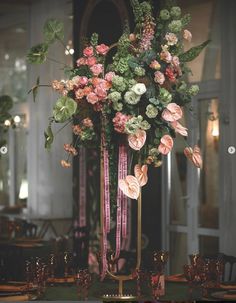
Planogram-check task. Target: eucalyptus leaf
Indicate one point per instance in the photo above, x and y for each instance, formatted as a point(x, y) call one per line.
point(193, 52)
point(38, 53)
point(53, 30)
point(64, 109)
point(34, 89)
point(48, 134)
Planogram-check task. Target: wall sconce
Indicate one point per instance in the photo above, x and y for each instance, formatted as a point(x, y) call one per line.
point(215, 129)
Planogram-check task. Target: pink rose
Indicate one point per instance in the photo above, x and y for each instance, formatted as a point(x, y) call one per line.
point(109, 76)
point(83, 81)
point(88, 51)
point(92, 98)
point(81, 61)
point(137, 140)
point(194, 155)
point(100, 92)
point(91, 61)
point(102, 49)
point(179, 128)
point(96, 69)
point(155, 64)
point(165, 56)
point(130, 187)
point(159, 77)
point(172, 112)
point(166, 145)
point(119, 122)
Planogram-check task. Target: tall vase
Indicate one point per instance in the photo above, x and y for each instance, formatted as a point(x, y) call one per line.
point(119, 295)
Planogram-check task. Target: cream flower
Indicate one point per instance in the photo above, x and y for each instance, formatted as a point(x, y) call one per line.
point(194, 155)
point(130, 187)
point(140, 173)
point(172, 112)
point(187, 35)
point(166, 145)
point(137, 140)
point(179, 128)
point(139, 89)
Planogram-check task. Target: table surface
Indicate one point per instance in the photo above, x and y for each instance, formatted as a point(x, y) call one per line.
point(174, 292)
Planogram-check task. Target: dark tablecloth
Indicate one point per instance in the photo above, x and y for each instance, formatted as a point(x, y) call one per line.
point(174, 292)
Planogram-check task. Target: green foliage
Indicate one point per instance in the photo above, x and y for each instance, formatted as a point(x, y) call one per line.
point(64, 108)
point(34, 89)
point(38, 53)
point(185, 20)
point(49, 137)
point(53, 30)
point(138, 13)
point(6, 103)
point(94, 39)
point(193, 52)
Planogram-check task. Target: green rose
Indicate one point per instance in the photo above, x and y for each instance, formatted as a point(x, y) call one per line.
point(114, 96)
point(164, 14)
point(175, 12)
point(175, 26)
point(151, 111)
point(193, 90)
point(165, 96)
point(139, 71)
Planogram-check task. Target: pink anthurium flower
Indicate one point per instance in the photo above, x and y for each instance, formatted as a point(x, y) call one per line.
point(172, 112)
point(130, 187)
point(166, 145)
point(179, 128)
point(140, 173)
point(194, 155)
point(137, 140)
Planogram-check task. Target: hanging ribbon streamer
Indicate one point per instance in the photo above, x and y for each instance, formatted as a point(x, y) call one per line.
point(106, 206)
point(124, 197)
point(82, 192)
point(121, 217)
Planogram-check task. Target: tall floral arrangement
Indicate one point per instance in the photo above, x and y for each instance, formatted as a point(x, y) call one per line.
point(133, 106)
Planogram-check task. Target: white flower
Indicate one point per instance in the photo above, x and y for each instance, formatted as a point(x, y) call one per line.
point(187, 35)
point(131, 97)
point(139, 89)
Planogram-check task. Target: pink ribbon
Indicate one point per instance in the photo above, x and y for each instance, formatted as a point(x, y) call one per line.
point(106, 190)
point(82, 191)
point(121, 220)
point(106, 207)
point(124, 197)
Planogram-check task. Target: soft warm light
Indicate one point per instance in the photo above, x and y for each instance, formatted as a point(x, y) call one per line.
point(66, 52)
point(23, 190)
point(17, 119)
point(215, 129)
point(7, 123)
point(71, 51)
